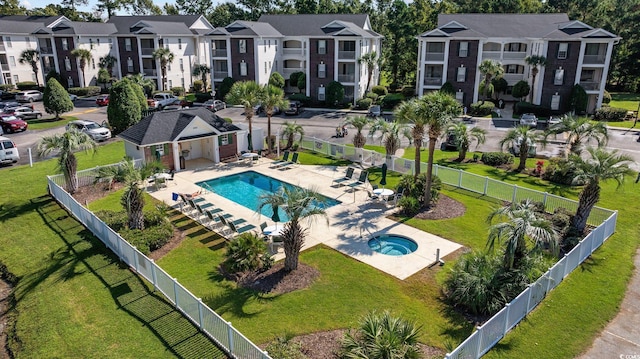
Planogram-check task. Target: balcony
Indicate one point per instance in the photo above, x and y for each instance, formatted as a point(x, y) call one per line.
point(433, 81)
point(512, 79)
point(220, 74)
point(219, 52)
point(513, 55)
point(293, 51)
point(590, 85)
point(287, 71)
point(147, 51)
point(346, 55)
point(46, 50)
point(2, 46)
point(495, 55)
point(5, 67)
point(593, 59)
point(434, 56)
point(347, 78)
point(150, 72)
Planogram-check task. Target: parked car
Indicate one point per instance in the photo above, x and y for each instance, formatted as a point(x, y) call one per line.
point(374, 111)
point(26, 113)
point(11, 124)
point(6, 107)
point(215, 105)
point(529, 119)
point(29, 96)
point(73, 97)
point(177, 104)
point(295, 107)
point(161, 100)
point(515, 150)
point(95, 131)
point(7, 95)
point(8, 151)
point(449, 142)
point(102, 100)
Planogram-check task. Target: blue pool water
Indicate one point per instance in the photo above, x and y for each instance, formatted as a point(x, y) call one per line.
point(393, 245)
point(245, 189)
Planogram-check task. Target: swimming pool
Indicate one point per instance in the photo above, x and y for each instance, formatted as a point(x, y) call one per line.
point(245, 189)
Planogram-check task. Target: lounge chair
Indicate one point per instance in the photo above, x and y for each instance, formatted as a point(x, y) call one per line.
point(285, 158)
point(348, 176)
point(362, 180)
point(289, 164)
point(239, 230)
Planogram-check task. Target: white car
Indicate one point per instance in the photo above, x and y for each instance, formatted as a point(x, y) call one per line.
point(95, 131)
point(73, 97)
point(8, 151)
point(29, 96)
point(529, 119)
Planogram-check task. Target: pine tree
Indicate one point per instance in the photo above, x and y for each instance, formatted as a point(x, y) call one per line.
point(56, 99)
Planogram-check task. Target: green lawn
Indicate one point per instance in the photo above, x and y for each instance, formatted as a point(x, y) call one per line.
point(49, 122)
point(625, 100)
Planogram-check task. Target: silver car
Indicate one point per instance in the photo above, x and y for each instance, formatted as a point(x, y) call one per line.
point(529, 119)
point(95, 131)
point(29, 96)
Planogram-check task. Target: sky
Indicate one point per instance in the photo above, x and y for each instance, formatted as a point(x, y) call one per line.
point(29, 4)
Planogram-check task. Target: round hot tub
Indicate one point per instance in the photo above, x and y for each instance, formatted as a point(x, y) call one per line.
point(393, 245)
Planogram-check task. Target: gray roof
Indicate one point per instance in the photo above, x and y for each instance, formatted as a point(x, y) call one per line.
point(503, 25)
point(82, 28)
point(46, 20)
point(19, 27)
point(251, 28)
point(166, 126)
point(124, 23)
point(311, 24)
point(163, 28)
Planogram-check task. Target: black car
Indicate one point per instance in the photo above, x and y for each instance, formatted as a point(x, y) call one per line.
point(449, 142)
point(295, 107)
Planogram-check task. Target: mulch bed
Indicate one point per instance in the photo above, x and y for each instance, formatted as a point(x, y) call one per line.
point(275, 280)
point(446, 208)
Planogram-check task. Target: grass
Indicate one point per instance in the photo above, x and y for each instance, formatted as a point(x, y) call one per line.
point(46, 123)
point(629, 101)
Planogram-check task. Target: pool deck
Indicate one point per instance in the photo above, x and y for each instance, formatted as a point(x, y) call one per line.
point(351, 223)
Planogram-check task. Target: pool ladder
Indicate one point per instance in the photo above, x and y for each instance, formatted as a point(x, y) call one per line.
point(377, 239)
point(207, 188)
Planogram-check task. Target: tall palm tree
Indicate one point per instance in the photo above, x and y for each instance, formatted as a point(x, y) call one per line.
point(535, 61)
point(84, 56)
point(31, 57)
point(390, 133)
point(66, 144)
point(370, 60)
point(148, 85)
point(521, 223)
point(201, 70)
point(248, 94)
point(411, 113)
point(600, 166)
point(578, 131)
point(273, 97)
point(359, 122)
point(298, 203)
point(465, 136)
point(489, 69)
point(523, 137)
point(165, 56)
point(108, 62)
point(290, 130)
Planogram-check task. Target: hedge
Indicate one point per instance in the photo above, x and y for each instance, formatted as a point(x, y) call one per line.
point(203, 96)
point(526, 107)
point(177, 91)
point(610, 114)
point(408, 91)
point(6, 87)
point(363, 104)
point(85, 91)
point(306, 100)
point(379, 90)
point(481, 108)
point(27, 85)
point(496, 158)
point(392, 100)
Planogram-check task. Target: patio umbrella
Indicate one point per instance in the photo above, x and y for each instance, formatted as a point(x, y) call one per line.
point(383, 180)
point(275, 216)
point(250, 147)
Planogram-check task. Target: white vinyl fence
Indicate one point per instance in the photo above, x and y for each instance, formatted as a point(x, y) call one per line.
point(490, 333)
point(219, 330)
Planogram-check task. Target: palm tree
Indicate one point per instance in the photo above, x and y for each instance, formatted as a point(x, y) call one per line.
point(359, 122)
point(66, 144)
point(489, 69)
point(31, 57)
point(84, 56)
point(298, 203)
point(148, 85)
point(108, 62)
point(521, 223)
point(390, 134)
point(410, 112)
point(534, 61)
point(290, 130)
point(370, 60)
point(464, 136)
point(273, 97)
point(523, 137)
point(165, 56)
point(382, 337)
point(601, 166)
point(248, 94)
point(578, 131)
point(202, 71)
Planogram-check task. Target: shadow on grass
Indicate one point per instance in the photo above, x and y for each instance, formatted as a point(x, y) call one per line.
point(130, 292)
point(233, 299)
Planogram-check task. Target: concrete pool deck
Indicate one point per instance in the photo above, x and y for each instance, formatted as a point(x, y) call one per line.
point(351, 223)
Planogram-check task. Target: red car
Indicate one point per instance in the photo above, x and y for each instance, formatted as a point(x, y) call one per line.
point(102, 100)
point(12, 124)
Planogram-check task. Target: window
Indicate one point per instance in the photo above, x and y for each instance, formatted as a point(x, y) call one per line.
point(93, 64)
point(182, 82)
point(243, 69)
point(224, 140)
point(127, 44)
point(67, 64)
point(321, 93)
point(242, 45)
point(558, 77)
point(555, 102)
point(70, 81)
point(129, 65)
point(7, 39)
point(91, 44)
point(461, 74)
point(436, 47)
point(322, 70)
point(12, 61)
point(16, 79)
point(463, 50)
point(33, 77)
point(180, 44)
point(181, 65)
point(162, 44)
point(168, 66)
point(460, 97)
point(322, 47)
point(170, 83)
point(65, 44)
point(265, 67)
point(563, 50)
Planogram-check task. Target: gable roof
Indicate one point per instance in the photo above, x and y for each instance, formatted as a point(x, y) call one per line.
point(124, 23)
point(160, 28)
point(83, 28)
point(166, 126)
point(46, 20)
point(249, 28)
point(315, 24)
point(19, 27)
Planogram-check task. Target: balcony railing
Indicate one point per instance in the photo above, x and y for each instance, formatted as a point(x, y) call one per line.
point(593, 59)
point(2, 46)
point(5, 67)
point(293, 51)
point(219, 52)
point(512, 79)
point(346, 78)
point(346, 55)
point(147, 51)
point(512, 55)
point(46, 50)
point(590, 85)
point(220, 74)
point(434, 56)
point(491, 54)
point(433, 81)
point(150, 72)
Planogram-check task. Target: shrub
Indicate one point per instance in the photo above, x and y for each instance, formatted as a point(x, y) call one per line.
point(379, 90)
point(224, 88)
point(203, 96)
point(6, 87)
point(409, 205)
point(364, 103)
point(27, 85)
point(228, 120)
point(392, 100)
point(335, 93)
point(284, 348)
point(55, 98)
point(276, 80)
point(448, 88)
point(481, 108)
point(304, 99)
point(520, 89)
point(247, 252)
point(198, 85)
point(527, 107)
point(610, 114)
point(579, 99)
point(496, 158)
point(84, 91)
point(414, 187)
point(606, 97)
point(500, 85)
point(158, 230)
point(177, 91)
point(559, 170)
point(373, 96)
point(122, 112)
point(408, 91)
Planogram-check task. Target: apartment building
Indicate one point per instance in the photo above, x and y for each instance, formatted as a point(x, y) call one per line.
point(325, 47)
point(576, 53)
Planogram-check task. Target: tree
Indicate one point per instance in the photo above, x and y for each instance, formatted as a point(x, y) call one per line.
point(108, 62)
point(225, 13)
point(579, 99)
point(56, 99)
point(370, 60)
point(522, 137)
point(500, 85)
point(579, 130)
point(465, 136)
point(293, 78)
point(84, 56)
point(390, 134)
point(335, 93)
point(276, 80)
point(410, 113)
point(273, 97)
point(139, 90)
point(534, 61)
point(73, 4)
point(194, 7)
point(148, 85)
point(489, 69)
point(600, 166)
point(520, 223)
point(11, 7)
point(66, 144)
point(165, 56)
point(225, 87)
point(202, 71)
point(110, 6)
point(247, 94)
point(290, 130)
point(302, 82)
point(122, 111)
point(359, 122)
point(31, 57)
point(103, 78)
point(520, 89)
point(299, 204)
